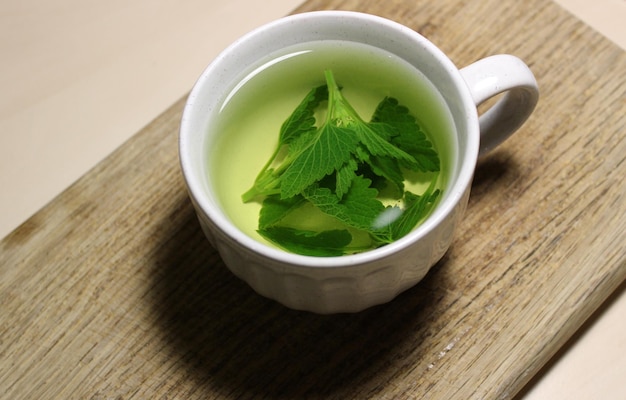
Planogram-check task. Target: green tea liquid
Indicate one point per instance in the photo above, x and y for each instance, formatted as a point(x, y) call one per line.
point(248, 123)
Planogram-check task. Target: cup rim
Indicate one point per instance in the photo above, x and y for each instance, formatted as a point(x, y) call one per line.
point(446, 206)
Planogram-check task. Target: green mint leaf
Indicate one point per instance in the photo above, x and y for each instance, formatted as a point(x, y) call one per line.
point(375, 137)
point(342, 168)
point(331, 148)
point(345, 176)
point(323, 244)
point(302, 120)
point(275, 209)
point(265, 184)
point(389, 169)
point(410, 137)
point(296, 132)
point(359, 207)
point(416, 209)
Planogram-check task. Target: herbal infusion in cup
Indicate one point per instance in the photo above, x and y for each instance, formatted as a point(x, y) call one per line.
point(331, 148)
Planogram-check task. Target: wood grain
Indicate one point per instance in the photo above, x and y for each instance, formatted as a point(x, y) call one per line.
point(111, 291)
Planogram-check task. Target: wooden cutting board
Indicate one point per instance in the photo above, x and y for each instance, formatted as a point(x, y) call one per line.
point(111, 291)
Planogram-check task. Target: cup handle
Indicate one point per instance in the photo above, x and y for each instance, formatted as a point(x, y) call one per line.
point(491, 76)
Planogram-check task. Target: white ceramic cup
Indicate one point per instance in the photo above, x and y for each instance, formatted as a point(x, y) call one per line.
point(353, 282)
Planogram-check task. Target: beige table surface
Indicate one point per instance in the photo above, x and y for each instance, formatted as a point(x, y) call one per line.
point(79, 78)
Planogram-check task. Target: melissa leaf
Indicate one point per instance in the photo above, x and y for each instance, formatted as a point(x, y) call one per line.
point(321, 244)
point(340, 166)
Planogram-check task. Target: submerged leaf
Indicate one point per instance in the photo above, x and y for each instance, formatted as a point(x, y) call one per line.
point(321, 244)
point(302, 120)
point(416, 209)
point(358, 208)
point(340, 168)
point(275, 209)
point(331, 149)
point(410, 137)
point(345, 176)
